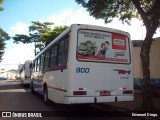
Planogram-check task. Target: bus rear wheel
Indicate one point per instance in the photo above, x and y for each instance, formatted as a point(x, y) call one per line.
point(45, 95)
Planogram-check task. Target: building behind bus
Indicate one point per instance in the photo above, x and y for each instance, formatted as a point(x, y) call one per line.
point(154, 63)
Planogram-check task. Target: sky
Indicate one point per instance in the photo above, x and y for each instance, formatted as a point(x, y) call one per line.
point(18, 14)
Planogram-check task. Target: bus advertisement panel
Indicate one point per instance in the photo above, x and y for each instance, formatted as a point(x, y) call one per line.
point(103, 46)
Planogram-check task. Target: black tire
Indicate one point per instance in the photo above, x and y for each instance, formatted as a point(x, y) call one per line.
point(45, 95)
point(31, 87)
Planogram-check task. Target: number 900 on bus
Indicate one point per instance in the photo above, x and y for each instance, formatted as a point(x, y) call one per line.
point(82, 70)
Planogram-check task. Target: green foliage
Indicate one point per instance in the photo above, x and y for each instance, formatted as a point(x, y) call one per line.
point(21, 38)
point(122, 9)
point(3, 37)
point(1, 1)
point(109, 9)
point(35, 30)
point(40, 27)
point(2, 47)
point(49, 35)
point(40, 33)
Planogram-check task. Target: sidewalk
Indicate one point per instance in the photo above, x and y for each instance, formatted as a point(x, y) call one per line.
point(12, 80)
point(136, 104)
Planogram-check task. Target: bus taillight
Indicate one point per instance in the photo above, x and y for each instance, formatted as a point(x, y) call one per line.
point(127, 91)
point(79, 92)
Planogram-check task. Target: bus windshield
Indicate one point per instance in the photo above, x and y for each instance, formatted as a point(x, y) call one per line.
point(102, 46)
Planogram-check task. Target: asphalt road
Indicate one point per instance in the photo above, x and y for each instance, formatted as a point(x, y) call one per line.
point(15, 98)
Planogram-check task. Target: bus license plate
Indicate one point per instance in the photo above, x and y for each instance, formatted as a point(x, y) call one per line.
point(105, 93)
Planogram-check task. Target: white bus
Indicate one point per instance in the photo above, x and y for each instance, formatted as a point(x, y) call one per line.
point(85, 64)
point(25, 73)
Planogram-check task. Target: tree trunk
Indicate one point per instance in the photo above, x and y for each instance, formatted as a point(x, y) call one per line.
point(35, 51)
point(145, 51)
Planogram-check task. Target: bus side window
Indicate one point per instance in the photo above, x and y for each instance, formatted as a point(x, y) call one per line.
point(47, 58)
point(39, 59)
point(53, 58)
point(66, 50)
point(24, 67)
point(42, 62)
point(35, 65)
point(63, 52)
point(60, 53)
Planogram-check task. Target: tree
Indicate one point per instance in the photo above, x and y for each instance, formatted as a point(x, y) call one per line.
point(148, 11)
point(3, 37)
point(35, 30)
point(49, 35)
point(40, 33)
point(1, 1)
